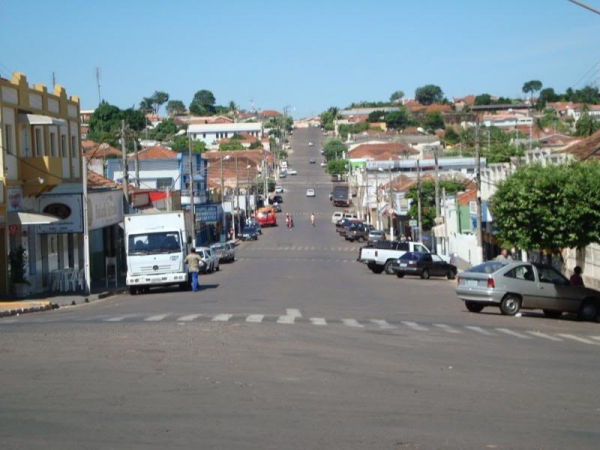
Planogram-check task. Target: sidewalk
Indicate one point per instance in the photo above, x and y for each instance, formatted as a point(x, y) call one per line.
point(52, 300)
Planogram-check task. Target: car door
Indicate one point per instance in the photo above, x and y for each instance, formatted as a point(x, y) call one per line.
point(522, 280)
point(438, 266)
point(425, 262)
point(556, 292)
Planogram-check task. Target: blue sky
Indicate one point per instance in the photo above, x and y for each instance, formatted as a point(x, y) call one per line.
point(308, 55)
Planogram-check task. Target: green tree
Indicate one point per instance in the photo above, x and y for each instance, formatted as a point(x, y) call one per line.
point(398, 119)
point(376, 116)
point(428, 212)
point(586, 125)
point(181, 144)
point(546, 95)
point(203, 103)
point(530, 87)
point(231, 145)
point(337, 166)
point(329, 117)
point(134, 119)
point(483, 99)
point(256, 144)
point(163, 130)
point(429, 94)
point(175, 108)
point(433, 121)
point(451, 136)
point(396, 96)
point(563, 201)
point(334, 149)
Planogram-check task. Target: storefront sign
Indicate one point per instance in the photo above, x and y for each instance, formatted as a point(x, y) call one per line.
point(15, 199)
point(207, 213)
point(68, 208)
point(104, 209)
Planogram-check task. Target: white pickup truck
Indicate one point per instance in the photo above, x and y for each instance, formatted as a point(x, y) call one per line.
point(379, 257)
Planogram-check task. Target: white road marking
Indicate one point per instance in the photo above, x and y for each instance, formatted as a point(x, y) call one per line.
point(415, 326)
point(447, 328)
point(513, 333)
point(222, 317)
point(293, 312)
point(479, 330)
point(116, 319)
point(286, 319)
point(188, 318)
point(383, 324)
point(156, 318)
point(544, 336)
point(318, 321)
point(596, 337)
point(577, 338)
point(352, 323)
point(255, 318)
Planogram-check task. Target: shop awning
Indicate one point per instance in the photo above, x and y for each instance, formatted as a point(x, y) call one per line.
point(31, 218)
point(439, 230)
point(40, 119)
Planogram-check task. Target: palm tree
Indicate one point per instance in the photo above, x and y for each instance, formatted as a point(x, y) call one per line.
point(233, 109)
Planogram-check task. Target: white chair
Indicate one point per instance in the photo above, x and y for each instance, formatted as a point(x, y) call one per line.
point(55, 278)
point(67, 280)
point(81, 279)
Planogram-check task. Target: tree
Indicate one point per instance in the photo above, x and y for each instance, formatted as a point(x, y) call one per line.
point(396, 96)
point(329, 117)
point(563, 201)
point(530, 87)
point(586, 125)
point(203, 103)
point(231, 145)
point(376, 116)
point(398, 119)
point(134, 119)
point(546, 95)
point(337, 166)
point(429, 94)
point(334, 149)
point(428, 212)
point(175, 108)
point(433, 121)
point(483, 99)
point(181, 144)
point(153, 103)
point(256, 144)
point(163, 130)
point(451, 136)
point(105, 124)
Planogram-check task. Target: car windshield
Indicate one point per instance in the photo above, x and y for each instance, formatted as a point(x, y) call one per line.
point(160, 242)
point(487, 267)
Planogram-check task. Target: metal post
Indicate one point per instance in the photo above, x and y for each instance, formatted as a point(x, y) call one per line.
point(125, 181)
point(191, 188)
point(247, 191)
point(223, 221)
point(86, 228)
point(478, 185)
point(419, 221)
point(391, 211)
point(237, 195)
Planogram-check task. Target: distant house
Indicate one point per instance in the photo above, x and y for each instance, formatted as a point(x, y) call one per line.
point(210, 133)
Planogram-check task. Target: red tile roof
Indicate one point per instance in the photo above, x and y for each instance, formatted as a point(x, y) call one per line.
point(91, 149)
point(393, 150)
point(156, 152)
point(585, 148)
point(270, 113)
point(96, 181)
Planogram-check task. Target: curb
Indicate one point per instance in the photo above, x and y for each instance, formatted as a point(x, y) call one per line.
point(16, 308)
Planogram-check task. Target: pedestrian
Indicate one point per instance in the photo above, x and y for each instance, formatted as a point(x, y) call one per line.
point(291, 222)
point(504, 256)
point(194, 263)
point(287, 221)
point(576, 278)
point(312, 219)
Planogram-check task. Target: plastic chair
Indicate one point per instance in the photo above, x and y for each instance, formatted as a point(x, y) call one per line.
point(55, 279)
point(67, 280)
point(81, 279)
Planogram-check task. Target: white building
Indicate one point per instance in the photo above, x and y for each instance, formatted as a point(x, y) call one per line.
point(210, 133)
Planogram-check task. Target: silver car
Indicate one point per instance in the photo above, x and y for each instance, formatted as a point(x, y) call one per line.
point(224, 251)
point(523, 285)
point(375, 236)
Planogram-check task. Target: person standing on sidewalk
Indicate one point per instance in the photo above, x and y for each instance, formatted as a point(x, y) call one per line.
point(194, 262)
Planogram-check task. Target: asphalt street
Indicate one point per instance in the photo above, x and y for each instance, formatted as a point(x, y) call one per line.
point(296, 345)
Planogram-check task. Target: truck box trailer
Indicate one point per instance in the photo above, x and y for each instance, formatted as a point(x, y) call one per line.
point(341, 195)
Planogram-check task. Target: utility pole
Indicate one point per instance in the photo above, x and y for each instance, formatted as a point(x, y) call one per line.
point(136, 162)
point(419, 221)
point(191, 188)
point(237, 195)
point(86, 227)
point(478, 187)
point(125, 181)
point(391, 210)
point(98, 85)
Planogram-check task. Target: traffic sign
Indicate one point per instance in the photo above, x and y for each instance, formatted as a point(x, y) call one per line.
point(13, 229)
point(412, 223)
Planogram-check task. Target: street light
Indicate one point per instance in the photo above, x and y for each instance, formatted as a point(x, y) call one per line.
point(223, 222)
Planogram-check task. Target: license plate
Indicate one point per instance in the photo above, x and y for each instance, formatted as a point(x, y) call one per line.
point(470, 283)
point(403, 265)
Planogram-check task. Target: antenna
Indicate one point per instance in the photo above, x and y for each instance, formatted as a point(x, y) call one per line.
point(252, 105)
point(98, 84)
point(53, 81)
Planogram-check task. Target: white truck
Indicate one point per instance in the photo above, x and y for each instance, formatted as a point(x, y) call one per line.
point(380, 256)
point(156, 246)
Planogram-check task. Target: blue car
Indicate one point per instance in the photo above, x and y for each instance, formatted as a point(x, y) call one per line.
point(249, 234)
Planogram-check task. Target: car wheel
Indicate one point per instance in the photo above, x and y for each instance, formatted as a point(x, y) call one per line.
point(400, 274)
point(552, 314)
point(183, 286)
point(360, 239)
point(388, 268)
point(588, 310)
point(474, 306)
point(218, 268)
point(451, 275)
point(510, 305)
point(133, 290)
point(377, 269)
point(425, 274)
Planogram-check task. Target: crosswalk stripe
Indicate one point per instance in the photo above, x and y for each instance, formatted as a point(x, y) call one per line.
point(318, 321)
point(596, 337)
point(479, 330)
point(577, 338)
point(188, 318)
point(513, 333)
point(447, 328)
point(255, 318)
point(544, 336)
point(382, 324)
point(293, 312)
point(286, 319)
point(116, 319)
point(156, 318)
point(415, 326)
point(222, 317)
point(352, 323)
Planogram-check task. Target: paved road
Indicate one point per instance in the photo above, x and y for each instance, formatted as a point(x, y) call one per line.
point(297, 346)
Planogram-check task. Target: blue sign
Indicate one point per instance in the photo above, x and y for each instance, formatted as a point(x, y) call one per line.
point(207, 213)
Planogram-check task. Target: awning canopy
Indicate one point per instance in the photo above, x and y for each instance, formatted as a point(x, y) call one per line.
point(439, 230)
point(31, 218)
point(40, 119)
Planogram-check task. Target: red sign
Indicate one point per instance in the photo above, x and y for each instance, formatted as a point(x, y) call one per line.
point(13, 229)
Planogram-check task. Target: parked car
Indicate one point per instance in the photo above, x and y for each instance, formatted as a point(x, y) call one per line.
point(225, 251)
point(283, 174)
point(341, 224)
point(358, 232)
point(310, 144)
point(210, 260)
point(277, 207)
point(312, 160)
point(310, 192)
point(339, 215)
point(323, 163)
point(279, 189)
point(292, 172)
point(249, 233)
point(376, 236)
point(522, 285)
point(423, 265)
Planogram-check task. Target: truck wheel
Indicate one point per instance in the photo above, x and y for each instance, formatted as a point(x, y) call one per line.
point(388, 268)
point(132, 290)
point(377, 269)
point(183, 286)
point(360, 239)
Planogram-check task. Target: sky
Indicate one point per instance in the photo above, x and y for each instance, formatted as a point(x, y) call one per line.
point(305, 56)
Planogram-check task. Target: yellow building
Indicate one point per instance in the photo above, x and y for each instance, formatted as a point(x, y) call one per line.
point(40, 139)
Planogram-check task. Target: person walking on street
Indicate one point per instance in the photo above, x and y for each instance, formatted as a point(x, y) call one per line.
point(312, 219)
point(288, 221)
point(194, 262)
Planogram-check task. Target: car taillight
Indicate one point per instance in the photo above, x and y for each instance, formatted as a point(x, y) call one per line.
point(491, 284)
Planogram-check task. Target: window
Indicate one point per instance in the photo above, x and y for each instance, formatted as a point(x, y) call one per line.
point(420, 248)
point(39, 143)
point(53, 150)
point(8, 139)
point(73, 147)
point(164, 183)
point(550, 275)
point(63, 146)
point(524, 273)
